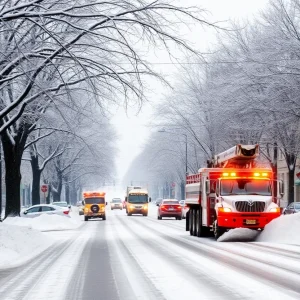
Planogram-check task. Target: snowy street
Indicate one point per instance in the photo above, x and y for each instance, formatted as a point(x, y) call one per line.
point(144, 258)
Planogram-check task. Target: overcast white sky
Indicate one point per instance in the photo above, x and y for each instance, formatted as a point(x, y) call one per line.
point(136, 126)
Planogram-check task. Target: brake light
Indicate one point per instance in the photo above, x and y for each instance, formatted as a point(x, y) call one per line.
point(66, 212)
point(275, 209)
point(163, 207)
point(178, 207)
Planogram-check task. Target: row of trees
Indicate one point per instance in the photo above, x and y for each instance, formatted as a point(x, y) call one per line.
point(247, 91)
point(65, 65)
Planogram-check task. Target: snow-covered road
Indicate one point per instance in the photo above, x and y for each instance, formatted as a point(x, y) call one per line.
point(145, 258)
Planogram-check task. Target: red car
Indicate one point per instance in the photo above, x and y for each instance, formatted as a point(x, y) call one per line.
point(169, 208)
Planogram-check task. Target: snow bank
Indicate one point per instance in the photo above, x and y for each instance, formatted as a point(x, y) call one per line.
point(239, 235)
point(284, 230)
point(47, 222)
point(19, 244)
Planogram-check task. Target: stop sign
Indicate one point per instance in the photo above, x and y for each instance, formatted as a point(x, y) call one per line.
point(44, 188)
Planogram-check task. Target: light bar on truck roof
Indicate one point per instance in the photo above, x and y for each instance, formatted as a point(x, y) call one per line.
point(246, 174)
point(93, 194)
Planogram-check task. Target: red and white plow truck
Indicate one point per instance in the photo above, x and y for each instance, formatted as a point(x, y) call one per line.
point(232, 193)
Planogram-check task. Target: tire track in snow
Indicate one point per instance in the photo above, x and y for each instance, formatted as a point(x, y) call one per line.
point(201, 279)
point(290, 280)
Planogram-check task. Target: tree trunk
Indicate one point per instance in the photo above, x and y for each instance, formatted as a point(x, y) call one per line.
point(57, 193)
point(36, 177)
point(12, 158)
point(67, 192)
point(182, 185)
point(291, 185)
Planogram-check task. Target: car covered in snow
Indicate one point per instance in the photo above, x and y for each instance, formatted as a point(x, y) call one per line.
point(41, 209)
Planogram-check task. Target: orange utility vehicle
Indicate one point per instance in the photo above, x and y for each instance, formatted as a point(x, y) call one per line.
point(233, 192)
point(94, 205)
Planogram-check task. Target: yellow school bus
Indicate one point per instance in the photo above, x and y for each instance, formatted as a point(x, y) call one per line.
point(137, 202)
point(94, 205)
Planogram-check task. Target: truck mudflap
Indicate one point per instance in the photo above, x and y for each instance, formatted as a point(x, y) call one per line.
point(246, 220)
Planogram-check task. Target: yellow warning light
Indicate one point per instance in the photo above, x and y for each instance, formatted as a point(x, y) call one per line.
point(256, 174)
point(225, 174)
point(264, 174)
point(233, 174)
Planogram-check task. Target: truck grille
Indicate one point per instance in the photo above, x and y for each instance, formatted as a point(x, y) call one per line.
point(250, 206)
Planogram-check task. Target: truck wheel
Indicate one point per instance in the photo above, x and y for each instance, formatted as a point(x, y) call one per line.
point(86, 218)
point(128, 214)
point(145, 215)
point(187, 223)
point(104, 218)
point(218, 231)
point(192, 222)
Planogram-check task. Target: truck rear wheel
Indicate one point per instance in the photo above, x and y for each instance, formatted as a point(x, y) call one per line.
point(187, 221)
point(86, 218)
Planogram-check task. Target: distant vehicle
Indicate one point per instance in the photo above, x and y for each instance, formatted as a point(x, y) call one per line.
point(80, 208)
point(137, 200)
point(41, 209)
point(169, 208)
point(184, 207)
point(116, 203)
point(292, 208)
point(62, 204)
point(94, 205)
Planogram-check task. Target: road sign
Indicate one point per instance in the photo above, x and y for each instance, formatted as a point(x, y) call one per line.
point(44, 188)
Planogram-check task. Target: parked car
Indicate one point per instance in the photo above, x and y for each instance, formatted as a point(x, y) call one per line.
point(62, 204)
point(184, 208)
point(116, 203)
point(169, 208)
point(292, 208)
point(40, 209)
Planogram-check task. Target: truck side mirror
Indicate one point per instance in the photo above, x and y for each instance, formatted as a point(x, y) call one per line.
point(82, 202)
point(149, 199)
point(125, 199)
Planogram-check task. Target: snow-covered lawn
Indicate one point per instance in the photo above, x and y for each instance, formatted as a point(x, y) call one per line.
point(23, 238)
point(282, 230)
point(18, 244)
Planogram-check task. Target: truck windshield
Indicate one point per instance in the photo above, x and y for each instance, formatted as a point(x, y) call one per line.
point(138, 198)
point(94, 200)
point(245, 187)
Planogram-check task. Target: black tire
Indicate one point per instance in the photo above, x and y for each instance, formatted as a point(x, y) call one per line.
point(145, 215)
point(111, 208)
point(191, 221)
point(86, 218)
point(179, 218)
point(187, 221)
point(129, 215)
point(218, 231)
point(159, 217)
point(104, 218)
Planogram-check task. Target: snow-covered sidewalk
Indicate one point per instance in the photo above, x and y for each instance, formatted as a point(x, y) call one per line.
point(22, 238)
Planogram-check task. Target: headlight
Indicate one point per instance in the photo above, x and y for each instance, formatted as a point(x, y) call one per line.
point(86, 209)
point(145, 207)
point(275, 209)
point(131, 207)
point(224, 209)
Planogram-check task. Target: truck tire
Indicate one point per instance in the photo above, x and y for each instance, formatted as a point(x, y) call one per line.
point(86, 218)
point(187, 223)
point(104, 218)
point(218, 230)
point(201, 231)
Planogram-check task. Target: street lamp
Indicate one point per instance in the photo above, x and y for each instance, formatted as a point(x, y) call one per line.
point(186, 145)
